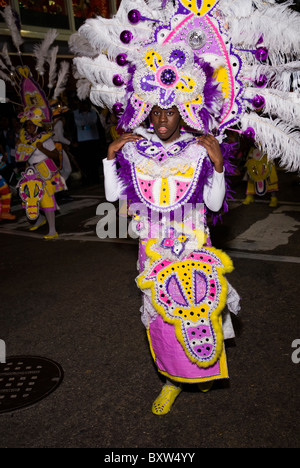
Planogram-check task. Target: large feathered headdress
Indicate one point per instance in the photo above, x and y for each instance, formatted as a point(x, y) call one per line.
point(223, 64)
point(34, 87)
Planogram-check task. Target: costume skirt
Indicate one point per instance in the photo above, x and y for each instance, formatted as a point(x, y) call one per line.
point(184, 313)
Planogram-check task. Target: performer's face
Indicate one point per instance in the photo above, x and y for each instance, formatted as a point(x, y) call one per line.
point(166, 123)
point(30, 127)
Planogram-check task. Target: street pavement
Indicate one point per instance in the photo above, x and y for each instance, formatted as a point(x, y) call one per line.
point(74, 300)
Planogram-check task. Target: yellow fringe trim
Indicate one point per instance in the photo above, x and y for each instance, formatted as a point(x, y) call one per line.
point(225, 267)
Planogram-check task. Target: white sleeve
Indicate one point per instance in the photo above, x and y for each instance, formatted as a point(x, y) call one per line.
point(214, 191)
point(112, 184)
point(49, 144)
point(59, 133)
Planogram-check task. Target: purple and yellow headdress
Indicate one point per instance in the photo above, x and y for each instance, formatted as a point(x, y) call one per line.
point(223, 63)
point(34, 87)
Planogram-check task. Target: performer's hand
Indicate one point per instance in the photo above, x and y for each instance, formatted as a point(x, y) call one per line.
point(118, 144)
point(211, 144)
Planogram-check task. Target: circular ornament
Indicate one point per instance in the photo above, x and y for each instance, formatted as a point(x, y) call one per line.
point(117, 80)
point(121, 60)
point(196, 39)
point(258, 101)
point(118, 108)
point(249, 133)
point(261, 54)
point(126, 36)
point(261, 81)
point(168, 76)
point(134, 16)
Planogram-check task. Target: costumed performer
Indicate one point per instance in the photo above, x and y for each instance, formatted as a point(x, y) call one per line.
point(261, 177)
point(41, 180)
point(168, 350)
point(218, 64)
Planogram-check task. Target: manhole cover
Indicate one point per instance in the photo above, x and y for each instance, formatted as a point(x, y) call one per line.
point(25, 380)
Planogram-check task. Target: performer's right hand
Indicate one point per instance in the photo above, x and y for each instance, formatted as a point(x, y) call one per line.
point(118, 144)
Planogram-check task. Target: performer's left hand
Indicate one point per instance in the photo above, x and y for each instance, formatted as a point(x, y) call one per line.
point(211, 144)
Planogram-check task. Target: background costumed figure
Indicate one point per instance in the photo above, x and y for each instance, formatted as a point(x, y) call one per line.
point(261, 177)
point(178, 75)
point(36, 147)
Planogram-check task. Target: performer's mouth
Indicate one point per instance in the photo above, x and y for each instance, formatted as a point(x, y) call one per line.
point(162, 130)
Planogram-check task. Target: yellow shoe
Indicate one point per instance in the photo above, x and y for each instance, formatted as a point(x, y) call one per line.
point(165, 399)
point(37, 226)
point(249, 199)
point(52, 236)
point(205, 386)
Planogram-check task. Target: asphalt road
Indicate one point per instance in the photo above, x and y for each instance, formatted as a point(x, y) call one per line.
point(74, 301)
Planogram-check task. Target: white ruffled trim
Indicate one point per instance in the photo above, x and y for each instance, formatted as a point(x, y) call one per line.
point(167, 168)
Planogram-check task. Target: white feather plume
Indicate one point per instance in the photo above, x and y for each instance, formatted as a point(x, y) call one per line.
point(80, 46)
point(41, 50)
point(276, 138)
point(6, 77)
point(61, 79)
point(99, 70)
point(278, 24)
point(83, 87)
point(6, 57)
point(284, 77)
point(237, 9)
point(104, 96)
point(10, 20)
point(104, 36)
point(286, 106)
point(3, 65)
point(52, 66)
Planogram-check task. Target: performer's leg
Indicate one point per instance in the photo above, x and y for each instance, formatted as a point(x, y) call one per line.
point(205, 386)
point(274, 201)
point(50, 216)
